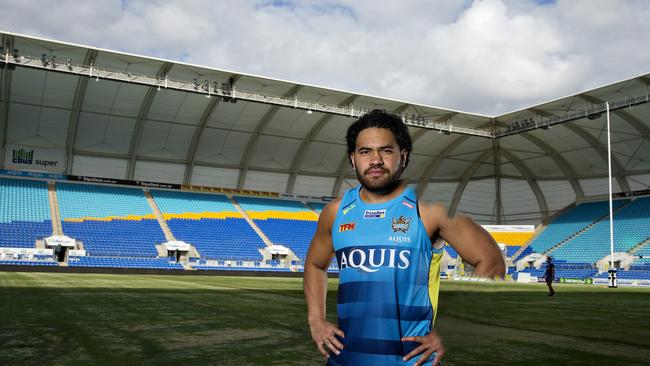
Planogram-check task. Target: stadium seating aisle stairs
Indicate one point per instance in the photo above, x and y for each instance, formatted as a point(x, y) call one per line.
point(250, 222)
point(54, 209)
point(159, 216)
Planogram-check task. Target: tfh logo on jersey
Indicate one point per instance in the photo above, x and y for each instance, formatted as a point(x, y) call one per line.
point(401, 224)
point(374, 214)
point(371, 260)
point(346, 227)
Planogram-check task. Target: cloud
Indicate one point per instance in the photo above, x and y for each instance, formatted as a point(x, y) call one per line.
point(488, 56)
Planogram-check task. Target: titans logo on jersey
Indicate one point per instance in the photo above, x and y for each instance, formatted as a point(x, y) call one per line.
point(388, 280)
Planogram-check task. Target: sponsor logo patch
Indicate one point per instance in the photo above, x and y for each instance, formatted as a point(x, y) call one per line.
point(346, 227)
point(374, 214)
point(397, 239)
point(22, 156)
point(347, 209)
point(401, 224)
point(371, 260)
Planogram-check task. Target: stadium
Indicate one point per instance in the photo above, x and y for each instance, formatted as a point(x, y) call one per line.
point(145, 203)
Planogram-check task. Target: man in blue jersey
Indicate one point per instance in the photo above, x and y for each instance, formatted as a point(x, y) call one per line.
point(388, 246)
point(549, 275)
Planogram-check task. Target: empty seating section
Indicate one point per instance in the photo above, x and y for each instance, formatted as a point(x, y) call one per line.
point(188, 205)
point(631, 227)
point(644, 250)
point(26, 262)
point(511, 250)
point(264, 208)
point(24, 212)
point(570, 223)
point(511, 238)
point(211, 223)
point(294, 234)
point(110, 221)
point(120, 262)
point(639, 270)
point(287, 223)
point(451, 251)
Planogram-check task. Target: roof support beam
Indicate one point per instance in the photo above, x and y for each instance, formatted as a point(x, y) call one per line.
point(261, 126)
point(142, 116)
point(528, 175)
point(617, 169)
point(498, 203)
point(306, 142)
point(77, 103)
point(559, 160)
point(435, 163)
point(469, 172)
point(191, 152)
point(205, 117)
point(5, 96)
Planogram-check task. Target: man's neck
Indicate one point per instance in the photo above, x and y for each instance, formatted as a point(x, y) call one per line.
point(372, 197)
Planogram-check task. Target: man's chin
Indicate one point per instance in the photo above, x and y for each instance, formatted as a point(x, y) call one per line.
point(380, 188)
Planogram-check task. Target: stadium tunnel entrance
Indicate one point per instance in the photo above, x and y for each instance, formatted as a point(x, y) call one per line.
point(178, 251)
point(61, 246)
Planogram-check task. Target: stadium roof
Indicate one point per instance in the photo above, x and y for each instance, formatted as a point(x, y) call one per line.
point(125, 116)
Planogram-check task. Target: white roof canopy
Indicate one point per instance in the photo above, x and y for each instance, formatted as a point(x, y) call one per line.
point(133, 117)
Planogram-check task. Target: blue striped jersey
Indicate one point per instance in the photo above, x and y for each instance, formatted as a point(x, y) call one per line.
point(389, 276)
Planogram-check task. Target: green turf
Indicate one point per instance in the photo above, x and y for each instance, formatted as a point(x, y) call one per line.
point(90, 319)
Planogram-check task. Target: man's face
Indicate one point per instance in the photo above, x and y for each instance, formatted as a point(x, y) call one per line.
point(378, 160)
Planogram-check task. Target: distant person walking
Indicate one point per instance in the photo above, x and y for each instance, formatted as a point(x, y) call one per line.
point(550, 275)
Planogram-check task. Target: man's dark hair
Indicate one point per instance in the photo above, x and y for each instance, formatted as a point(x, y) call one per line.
point(379, 118)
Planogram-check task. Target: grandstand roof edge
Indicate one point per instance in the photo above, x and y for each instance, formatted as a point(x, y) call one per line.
point(604, 85)
point(153, 58)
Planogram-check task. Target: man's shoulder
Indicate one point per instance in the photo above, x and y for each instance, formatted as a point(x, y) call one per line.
point(328, 213)
point(431, 209)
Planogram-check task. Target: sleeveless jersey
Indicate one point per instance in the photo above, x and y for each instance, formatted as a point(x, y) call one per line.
point(389, 276)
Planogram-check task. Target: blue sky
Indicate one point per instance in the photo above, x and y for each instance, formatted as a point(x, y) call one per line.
point(489, 56)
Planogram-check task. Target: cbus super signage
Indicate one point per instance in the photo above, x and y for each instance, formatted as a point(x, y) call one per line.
point(19, 157)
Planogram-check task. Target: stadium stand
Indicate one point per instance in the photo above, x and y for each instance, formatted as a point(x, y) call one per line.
point(287, 223)
point(512, 238)
point(122, 262)
point(632, 227)
point(567, 225)
point(110, 221)
point(24, 212)
point(211, 223)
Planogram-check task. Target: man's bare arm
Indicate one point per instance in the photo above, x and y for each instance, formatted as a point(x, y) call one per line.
point(475, 245)
point(321, 251)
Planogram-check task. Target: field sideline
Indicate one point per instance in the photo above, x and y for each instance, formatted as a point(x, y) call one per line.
point(93, 319)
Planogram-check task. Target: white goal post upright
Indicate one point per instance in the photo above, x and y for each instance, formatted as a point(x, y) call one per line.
point(612, 270)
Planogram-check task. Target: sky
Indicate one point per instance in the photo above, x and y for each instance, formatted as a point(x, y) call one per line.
point(488, 57)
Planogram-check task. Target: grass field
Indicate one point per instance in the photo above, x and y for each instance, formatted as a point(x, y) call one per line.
point(92, 319)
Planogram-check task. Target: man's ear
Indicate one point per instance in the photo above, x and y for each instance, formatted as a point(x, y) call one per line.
point(351, 157)
point(405, 155)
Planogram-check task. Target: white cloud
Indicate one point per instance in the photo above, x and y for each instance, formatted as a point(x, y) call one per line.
point(486, 56)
